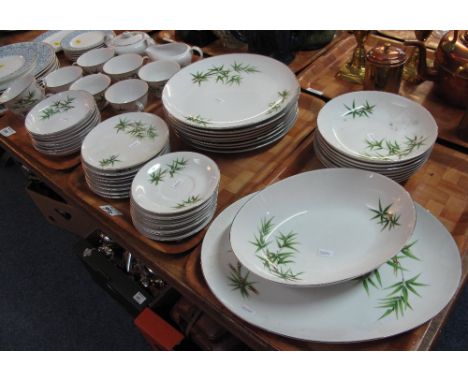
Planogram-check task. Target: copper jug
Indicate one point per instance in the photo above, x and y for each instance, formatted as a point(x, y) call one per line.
point(450, 71)
point(384, 68)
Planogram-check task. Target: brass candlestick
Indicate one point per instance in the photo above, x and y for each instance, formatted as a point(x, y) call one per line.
point(354, 70)
point(410, 71)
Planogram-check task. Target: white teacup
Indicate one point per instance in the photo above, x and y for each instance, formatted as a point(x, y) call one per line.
point(60, 80)
point(93, 61)
point(174, 51)
point(22, 95)
point(124, 66)
point(157, 73)
point(96, 85)
point(128, 95)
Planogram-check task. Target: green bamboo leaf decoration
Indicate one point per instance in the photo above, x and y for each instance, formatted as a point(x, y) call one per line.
point(176, 166)
point(387, 220)
point(27, 100)
point(276, 262)
point(226, 76)
point(157, 176)
point(57, 107)
point(198, 119)
point(359, 111)
point(109, 161)
point(241, 281)
point(397, 301)
point(137, 129)
point(190, 200)
point(276, 105)
point(381, 149)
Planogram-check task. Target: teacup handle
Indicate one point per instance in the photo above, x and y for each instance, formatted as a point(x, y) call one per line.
point(140, 106)
point(146, 59)
point(198, 50)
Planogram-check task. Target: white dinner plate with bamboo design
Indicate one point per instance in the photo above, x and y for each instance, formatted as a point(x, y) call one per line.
point(175, 183)
point(230, 91)
point(401, 295)
point(125, 141)
point(377, 127)
point(323, 227)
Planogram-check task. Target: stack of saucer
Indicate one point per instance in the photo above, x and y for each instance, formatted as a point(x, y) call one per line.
point(232, 103)
point(375, 131)
point(19, 59)
point(79, 42)
point(174, 196)
point(114, 151)
point(58, 124)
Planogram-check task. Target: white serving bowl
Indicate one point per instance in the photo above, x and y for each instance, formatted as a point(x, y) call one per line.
point(61, 79)
point(323, 227)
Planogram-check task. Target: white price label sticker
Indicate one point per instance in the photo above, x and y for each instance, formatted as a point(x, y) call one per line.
point(139, 298)
point(315, 91)
point(7, 131)
point(112, 211)
point(326, 252)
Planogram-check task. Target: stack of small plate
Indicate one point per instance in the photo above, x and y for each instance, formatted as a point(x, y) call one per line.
point(375, 131)
point(114, 151)
point(232, 103)
point(79, 42)
point(53, 38)
point(58, 124)
point(19, 59)
point(174, 196)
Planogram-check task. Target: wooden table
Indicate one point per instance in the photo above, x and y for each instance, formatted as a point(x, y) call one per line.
point(440, 186)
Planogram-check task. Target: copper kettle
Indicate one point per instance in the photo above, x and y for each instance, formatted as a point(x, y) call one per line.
point(450, 71)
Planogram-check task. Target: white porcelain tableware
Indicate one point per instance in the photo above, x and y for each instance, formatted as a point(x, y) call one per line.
point(131, 42)
point(54, 38)
point(10, 66)
point(131, 139)
point(358, 310)
point(78, 42)
point(60, 80)
point(175, 183)
point(173, 51)
point(93, 60)
point(377, 126)
point(94, 84)
point(323, 227)
point(128, 95)
point(40, 59)
point(22, 95)
point(124, 66)
point(60, 112)
point(157, 73)
point(230, 91)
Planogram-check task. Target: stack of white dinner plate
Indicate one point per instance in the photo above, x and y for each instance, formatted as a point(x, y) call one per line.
point(232, 103)
point(375, 131)
point(174, 196)
point(114, 151)
point(79, 42)
point(58, 124)
point(19, 59)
